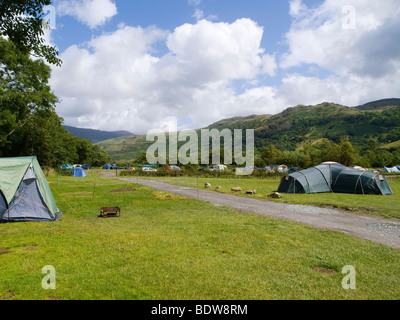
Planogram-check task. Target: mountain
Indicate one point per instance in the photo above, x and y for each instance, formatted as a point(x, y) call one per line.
point(96, 136)
point(292, 128)
point(379, 104)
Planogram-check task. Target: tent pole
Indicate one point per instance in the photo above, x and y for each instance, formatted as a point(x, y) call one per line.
point(94, 189)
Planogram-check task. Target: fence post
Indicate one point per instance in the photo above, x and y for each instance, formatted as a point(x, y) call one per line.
point(94, 189)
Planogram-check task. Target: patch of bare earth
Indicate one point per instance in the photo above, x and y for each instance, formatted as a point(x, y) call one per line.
point(78, 194)
point(325, 270)
point(123, 190)
point(31, 248)
point(9, 295)
point(4, 250)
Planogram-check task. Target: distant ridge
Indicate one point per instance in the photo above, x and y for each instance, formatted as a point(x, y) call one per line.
point(96, 136)
point(299, 126)
point(394, 102)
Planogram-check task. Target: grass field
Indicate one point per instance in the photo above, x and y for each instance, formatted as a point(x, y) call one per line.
point(387, 206)
point(169, 247)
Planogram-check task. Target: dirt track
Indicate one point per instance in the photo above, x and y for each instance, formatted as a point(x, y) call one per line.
point(373, 228)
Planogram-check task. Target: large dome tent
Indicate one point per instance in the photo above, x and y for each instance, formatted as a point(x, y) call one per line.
point(336, 178)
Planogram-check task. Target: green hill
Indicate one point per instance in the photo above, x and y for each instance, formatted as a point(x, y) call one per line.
point(125, 148)
point(379, 104)
point(297, 125)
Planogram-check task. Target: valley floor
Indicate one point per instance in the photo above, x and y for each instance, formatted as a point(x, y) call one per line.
point(374, 228)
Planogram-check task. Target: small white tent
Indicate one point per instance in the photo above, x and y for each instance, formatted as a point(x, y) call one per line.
point(394, 169)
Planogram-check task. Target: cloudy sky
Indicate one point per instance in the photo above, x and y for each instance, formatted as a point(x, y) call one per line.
point(141, 65)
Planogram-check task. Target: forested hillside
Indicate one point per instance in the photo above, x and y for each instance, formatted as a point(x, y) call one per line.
point(305, 135)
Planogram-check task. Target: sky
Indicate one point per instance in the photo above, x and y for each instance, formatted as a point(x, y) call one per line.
point(141, 65)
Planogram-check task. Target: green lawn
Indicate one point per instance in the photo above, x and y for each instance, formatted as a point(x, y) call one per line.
point(170, 247)
point(387, 206)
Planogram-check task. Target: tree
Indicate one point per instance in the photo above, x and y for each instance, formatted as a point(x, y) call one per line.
point(347, 154)
point(29, 124)
point(270, 154)
point(294, 159)
point(98, 157)
point(25, 95)
point(22, 22)
point(312, 154)
point(83, 150)
point(142, 159)
point(372, 144)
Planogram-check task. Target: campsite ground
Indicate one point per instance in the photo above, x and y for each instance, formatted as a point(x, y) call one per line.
point(170, 247)
point(386, 206)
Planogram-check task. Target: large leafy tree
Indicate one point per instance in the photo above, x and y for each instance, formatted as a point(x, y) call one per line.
point(29, 124)
point(24, 93)
point(21, 21)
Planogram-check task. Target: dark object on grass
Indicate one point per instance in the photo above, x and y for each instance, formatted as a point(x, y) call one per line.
point(275, 195)
point(109, 212)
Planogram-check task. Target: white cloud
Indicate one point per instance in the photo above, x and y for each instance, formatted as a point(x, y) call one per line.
point(93, 13)
point(194, 2)
point(117, 81)
point(357, 47)
point(296, 8)
point(198, 14)
point(318, 35)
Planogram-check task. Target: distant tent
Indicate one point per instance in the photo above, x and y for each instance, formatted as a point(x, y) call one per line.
point(25, 194)
point(398, 167)
point(79, 173)
point(107, 167)
point(360, 168)
point(393, 169)
point(277, 168)
point(283, 168)
point(336, 178)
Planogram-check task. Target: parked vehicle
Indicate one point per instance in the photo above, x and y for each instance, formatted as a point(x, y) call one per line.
point(148, 169)
point(218, 167)
point(67, 167)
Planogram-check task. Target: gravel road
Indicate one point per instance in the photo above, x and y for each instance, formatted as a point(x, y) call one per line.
point(368, 227)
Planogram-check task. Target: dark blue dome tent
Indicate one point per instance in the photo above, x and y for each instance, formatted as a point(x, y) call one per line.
point(336, 178)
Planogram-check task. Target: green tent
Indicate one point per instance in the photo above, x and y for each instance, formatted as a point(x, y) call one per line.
point(25, 194)
point(334, 177)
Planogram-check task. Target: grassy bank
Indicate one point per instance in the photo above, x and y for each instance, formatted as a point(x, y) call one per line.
point(169, 247)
